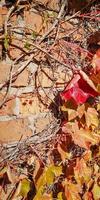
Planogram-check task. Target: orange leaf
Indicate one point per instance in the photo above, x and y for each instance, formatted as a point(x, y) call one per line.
point(82, 172)
point(72, 190)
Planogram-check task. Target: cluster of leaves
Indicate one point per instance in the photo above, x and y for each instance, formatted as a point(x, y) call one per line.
point(73, 165)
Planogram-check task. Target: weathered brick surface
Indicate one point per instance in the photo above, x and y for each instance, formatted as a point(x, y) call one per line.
point(4, 71)
point(14, 129)
point(22, 79)
point(31, 22)
point(31, 105)
point(3, 12)
point(26, 110)
point(16, 48)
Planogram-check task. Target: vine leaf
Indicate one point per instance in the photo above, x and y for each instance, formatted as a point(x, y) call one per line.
point(22, 189)
point(46, 180)
point(96, 62)
point(79, 89)
point(7, 171)
point(72, 190)
point(59, 196)
point(64, 155)
point(82, 172)
point(96, 191)
point(91, 117)
point(81, 136)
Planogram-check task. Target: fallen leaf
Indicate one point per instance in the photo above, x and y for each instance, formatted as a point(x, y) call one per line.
point(81, 110)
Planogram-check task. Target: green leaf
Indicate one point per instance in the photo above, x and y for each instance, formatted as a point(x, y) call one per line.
point(6, 42)
point(34, 35)
point(25, 187)
point(27, 45)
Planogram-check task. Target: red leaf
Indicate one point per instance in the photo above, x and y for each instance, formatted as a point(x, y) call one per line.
point(79, 90)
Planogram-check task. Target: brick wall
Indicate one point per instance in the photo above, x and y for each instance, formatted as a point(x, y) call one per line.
point(24, 113)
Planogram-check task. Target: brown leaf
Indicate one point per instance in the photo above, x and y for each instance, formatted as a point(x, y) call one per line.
point(64, 155)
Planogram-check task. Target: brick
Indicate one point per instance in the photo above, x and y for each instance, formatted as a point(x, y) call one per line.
point(3, 12)
point(4, 71)
point(15, 50)
point(42, 123)
point(22, 79)
point(31, 21)
point(13, 130)
point(52, 4)
point(43, 79)
point(1, 51)
point(31, 105)
point(11, 107)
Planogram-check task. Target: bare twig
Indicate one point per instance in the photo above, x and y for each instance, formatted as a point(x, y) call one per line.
point(64, 2)
point(8, 89)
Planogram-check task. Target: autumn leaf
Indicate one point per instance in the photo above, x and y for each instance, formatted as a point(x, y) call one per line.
point(88, 196)
point(46, 179)
point(81, 136)
point(91, 117)
point(64, 155)
point(6, 42)
point(96, 191)
point(59, 196)
point(79, 89)
point(81, 110)
point(71, 190)
point(6, 170)
point(22, 189)
point(96, 62)
point(82, 172)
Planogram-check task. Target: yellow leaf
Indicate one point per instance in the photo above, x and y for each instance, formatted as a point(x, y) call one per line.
point(46, 179)
point(81, 110)
point(98, 106)
point(22, 189)
point(59, 196)
point(25, 187)
point(82, 137)
point(71, 114)
point(91, 117)
point(96, 192)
